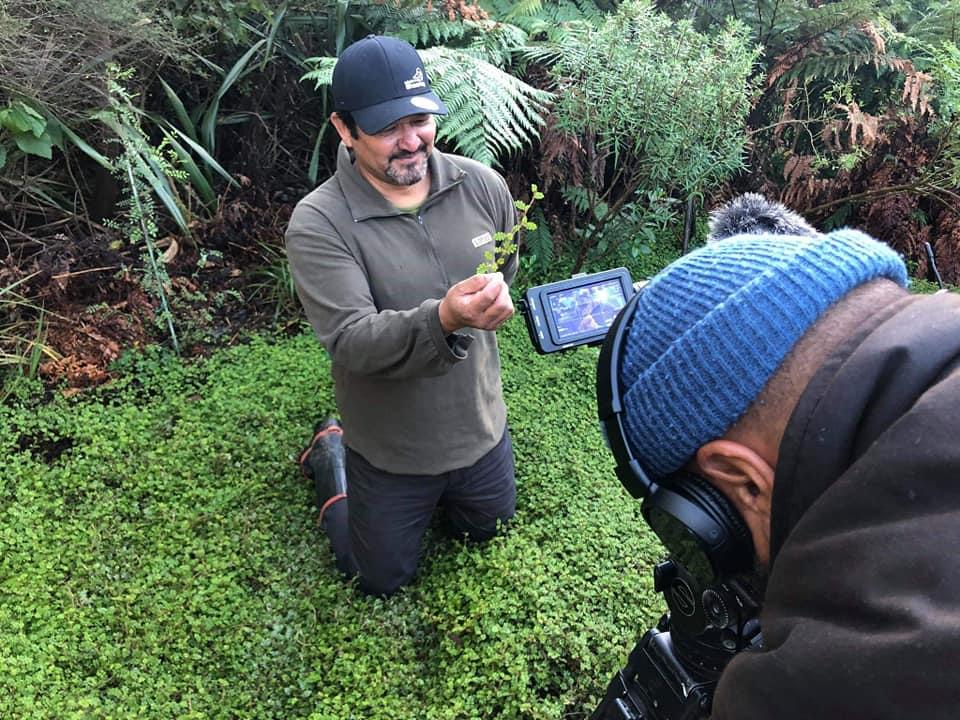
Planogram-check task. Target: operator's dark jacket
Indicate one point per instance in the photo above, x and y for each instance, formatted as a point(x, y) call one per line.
point(861, 619)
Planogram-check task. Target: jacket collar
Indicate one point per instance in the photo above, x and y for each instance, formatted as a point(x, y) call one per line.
point(365, 202)
point(862, 389)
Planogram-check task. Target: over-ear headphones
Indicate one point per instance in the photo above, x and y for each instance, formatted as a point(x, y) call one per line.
point(695, 522)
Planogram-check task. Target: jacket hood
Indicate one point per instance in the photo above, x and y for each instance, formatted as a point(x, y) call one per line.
point(860, 392)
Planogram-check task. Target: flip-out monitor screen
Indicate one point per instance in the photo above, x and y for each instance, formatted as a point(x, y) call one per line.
point(585, 309)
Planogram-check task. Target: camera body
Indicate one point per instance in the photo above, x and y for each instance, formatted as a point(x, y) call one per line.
point(707, 582)
point(672, 672)
point(654, 684)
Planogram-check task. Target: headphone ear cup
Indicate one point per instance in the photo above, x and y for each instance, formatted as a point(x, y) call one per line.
point(716, 504)
point(699, 527)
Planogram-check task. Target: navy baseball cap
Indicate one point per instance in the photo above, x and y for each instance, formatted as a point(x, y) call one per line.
point(379, 80)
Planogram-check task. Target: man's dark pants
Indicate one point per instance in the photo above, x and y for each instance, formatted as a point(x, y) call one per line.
point(377, 532)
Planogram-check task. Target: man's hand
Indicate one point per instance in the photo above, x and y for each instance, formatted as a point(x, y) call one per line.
point(482, 302)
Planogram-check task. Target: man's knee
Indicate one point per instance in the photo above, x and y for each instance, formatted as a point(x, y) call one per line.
point(481, 526)
point(385, 581)
point(387, 565)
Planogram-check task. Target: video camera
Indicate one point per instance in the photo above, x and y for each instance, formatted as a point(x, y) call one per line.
point(707, 581)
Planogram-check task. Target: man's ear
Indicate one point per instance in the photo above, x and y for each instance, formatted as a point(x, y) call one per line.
point(746, 479)
point(342, 130)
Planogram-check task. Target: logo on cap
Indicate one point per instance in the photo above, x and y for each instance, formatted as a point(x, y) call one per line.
point(416, 81)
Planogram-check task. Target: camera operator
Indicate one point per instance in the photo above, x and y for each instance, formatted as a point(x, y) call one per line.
point(794, 372)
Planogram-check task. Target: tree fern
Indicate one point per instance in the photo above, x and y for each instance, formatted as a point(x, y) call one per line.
point(929, 23)
point(776, 24)
point(815, 52)
point(498, 43)
point(546, 21)
point(491, 113)
point(522, 9)
point(424, 26)
point(416, 24)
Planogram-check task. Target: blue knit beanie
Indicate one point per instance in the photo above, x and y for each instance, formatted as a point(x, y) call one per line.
point(714, 326)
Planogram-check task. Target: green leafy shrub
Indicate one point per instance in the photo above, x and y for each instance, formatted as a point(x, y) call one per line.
point(644, 105)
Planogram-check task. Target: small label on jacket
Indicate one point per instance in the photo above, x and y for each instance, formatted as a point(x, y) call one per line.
point(482, 239)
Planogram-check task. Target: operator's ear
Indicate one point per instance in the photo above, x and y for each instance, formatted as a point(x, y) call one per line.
point(740, 473)
point(342, 130)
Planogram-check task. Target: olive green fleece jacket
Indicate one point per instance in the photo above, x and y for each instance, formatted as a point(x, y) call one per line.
point(370, 277)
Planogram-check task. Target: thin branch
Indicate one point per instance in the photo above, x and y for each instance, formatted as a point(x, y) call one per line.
point(918, 188)
point(60, 276)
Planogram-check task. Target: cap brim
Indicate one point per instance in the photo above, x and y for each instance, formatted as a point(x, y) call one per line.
point(375, 118)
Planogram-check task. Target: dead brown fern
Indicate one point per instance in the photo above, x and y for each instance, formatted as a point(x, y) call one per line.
point(457, 10)
point(783, 63)
point(896, 218)
point(914, 95)
point(870, 31)
point(802, 184)
point(567, 158)
point(786, 116)
point(864, 128)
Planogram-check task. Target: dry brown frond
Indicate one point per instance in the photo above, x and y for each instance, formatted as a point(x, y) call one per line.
point(871, 31)
point(461, 10)
point(946, 246)
point(864, 127)
point(830, 135)
point(787, 115)
point(913, 92)
point(563, 156)
point(901, 65)
point(803, 186)
point(785, 62)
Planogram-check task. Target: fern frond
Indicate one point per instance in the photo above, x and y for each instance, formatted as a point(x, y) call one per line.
point(546, 21)
point(577, 196)
point(938, 22)
point(491, 113)
point(524, 8)
point(498, 43)
point(778, 24)
point(835, 67)
point(414, 23)
point(538, 243)
point(322, 74)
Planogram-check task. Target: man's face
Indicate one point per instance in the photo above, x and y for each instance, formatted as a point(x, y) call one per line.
point(397, 155)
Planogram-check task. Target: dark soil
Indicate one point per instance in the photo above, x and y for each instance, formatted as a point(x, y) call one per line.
point(92, 287)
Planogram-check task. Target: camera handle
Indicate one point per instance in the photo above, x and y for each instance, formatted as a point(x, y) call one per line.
point(654, 684)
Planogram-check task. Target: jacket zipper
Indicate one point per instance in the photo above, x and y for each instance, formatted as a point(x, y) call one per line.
point(433, 249)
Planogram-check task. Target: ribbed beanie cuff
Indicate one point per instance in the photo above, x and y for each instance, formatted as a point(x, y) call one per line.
point(714, 326)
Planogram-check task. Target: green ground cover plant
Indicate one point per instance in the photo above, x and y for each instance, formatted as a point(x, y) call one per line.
point(159, 556)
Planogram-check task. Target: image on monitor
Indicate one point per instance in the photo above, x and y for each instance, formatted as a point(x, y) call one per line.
point(587, 309)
